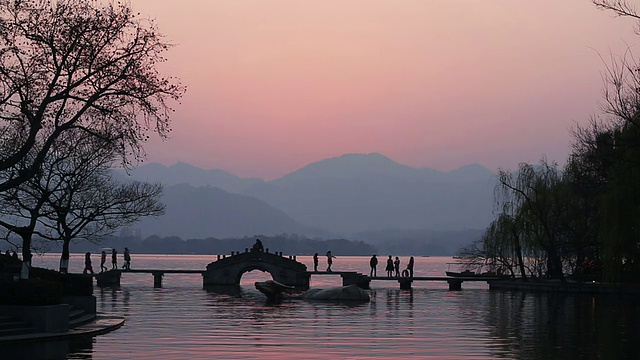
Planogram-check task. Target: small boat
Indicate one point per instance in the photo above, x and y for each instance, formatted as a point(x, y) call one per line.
point(478, 273)
point(468, 273)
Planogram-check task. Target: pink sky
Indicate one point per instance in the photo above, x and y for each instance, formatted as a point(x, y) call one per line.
point(274, 85)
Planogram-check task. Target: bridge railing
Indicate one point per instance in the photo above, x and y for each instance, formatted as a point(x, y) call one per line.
point(247, 250)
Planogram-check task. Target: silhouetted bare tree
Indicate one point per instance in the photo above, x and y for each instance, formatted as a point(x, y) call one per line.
point(74, 196)
point(620, 7)
point(77, 64)
point(98, 208)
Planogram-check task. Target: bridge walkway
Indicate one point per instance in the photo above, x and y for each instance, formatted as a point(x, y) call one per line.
point(112, 277)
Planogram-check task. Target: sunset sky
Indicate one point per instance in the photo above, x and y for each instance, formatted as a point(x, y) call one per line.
point(274, 85)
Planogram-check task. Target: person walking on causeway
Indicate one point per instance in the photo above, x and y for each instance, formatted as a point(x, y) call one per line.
point(389, 267)
point(330, 258)
point(114, 259)
point(87, 263)
point(103, 260)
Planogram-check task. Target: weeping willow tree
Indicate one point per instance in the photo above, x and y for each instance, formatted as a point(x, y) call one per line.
point(528, 237)
point(503, 242)
point(531, 197)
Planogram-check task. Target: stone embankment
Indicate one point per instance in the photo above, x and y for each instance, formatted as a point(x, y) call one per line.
point(557, 286)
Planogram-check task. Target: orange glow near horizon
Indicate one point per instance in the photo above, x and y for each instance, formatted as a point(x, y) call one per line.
point(275, 85)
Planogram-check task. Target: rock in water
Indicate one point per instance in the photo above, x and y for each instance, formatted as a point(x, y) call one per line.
point(277, 291)
point(342, 293)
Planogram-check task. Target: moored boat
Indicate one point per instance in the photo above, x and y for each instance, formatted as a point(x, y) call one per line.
point(477, 272)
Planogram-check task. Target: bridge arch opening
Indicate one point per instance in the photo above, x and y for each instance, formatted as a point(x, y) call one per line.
point(249, 275)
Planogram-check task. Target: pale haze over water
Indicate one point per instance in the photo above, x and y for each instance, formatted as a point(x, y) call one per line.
point(182, 321)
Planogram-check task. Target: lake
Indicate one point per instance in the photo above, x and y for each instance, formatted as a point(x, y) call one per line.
point(182, 321)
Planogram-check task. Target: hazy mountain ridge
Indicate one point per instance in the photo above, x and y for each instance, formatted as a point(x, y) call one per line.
point(357, 192)
point(419, 242)
point(342, 195)
point(201, 212)
point(184, 173)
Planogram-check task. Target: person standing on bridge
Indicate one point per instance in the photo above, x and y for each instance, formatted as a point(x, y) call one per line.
point(410, 266)
point(389, 267)
point(87, 263)
point(396, 266)
point(374, 265)
point(127, 259)
point(114, 259)
point(330, 258)
point(258, 247)
point(315, 262)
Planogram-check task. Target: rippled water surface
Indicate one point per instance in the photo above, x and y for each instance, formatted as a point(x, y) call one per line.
point(182, 321)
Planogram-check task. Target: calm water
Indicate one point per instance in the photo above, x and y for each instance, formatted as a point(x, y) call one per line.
point(182, 321)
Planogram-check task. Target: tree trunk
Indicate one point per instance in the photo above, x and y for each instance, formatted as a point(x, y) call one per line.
point(64, 258)
point(554, 265)
point(26, 254)
point(518, 248)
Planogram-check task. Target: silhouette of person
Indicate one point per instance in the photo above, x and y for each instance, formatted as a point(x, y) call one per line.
point(374, 264)
point(103, 260)
point(410, 266)
point(87, 263)
point(257, 247)
point(315, 262)
point(396, 266)
point(330, 258)
point(389, 267)
point(114, 259)
point(127, 259)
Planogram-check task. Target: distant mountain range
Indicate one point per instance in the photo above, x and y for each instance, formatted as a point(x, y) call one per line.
point(206, 211)
point(341, 196)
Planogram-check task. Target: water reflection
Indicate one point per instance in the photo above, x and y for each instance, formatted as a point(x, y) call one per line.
point(183, 321)
point(82, 348)
point(229, 290)
point(542, 326)
point(113, 299)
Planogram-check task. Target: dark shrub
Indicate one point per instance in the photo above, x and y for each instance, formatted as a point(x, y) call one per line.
point(72, 284)
point(30, 292)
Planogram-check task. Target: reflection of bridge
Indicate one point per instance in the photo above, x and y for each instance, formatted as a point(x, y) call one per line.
point(228, 270)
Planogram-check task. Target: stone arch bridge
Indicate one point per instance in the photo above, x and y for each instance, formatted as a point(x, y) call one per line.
point(228, 271)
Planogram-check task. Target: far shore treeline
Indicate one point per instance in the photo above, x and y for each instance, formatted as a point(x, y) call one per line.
point(212, 246)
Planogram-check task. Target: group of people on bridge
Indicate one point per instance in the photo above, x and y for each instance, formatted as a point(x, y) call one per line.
point(88, 268)
point(392, 268)
point(330, 258)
